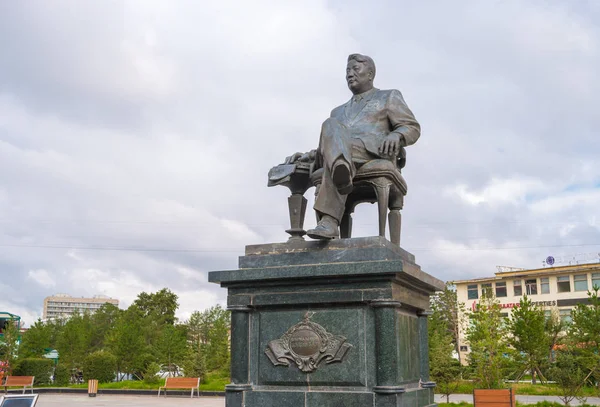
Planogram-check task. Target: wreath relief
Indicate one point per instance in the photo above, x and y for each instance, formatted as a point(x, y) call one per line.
point(307, 344)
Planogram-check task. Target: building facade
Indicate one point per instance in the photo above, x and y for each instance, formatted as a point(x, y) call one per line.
point(557, 289)
point(63, 305)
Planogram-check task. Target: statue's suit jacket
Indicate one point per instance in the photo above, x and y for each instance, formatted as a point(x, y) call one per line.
point(377, 114)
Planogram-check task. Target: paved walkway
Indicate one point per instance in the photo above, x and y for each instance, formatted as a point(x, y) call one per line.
point(65, 400)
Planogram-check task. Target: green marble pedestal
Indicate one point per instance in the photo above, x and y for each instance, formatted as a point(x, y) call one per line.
point(322, 324)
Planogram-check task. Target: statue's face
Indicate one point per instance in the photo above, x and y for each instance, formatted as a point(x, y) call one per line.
point(359, 77)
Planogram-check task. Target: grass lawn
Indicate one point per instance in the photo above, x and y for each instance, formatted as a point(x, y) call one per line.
point(466, 387)
point(214, 381)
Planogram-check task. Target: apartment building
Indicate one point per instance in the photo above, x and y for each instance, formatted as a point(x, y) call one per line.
point(63, 305)
point(560, 288)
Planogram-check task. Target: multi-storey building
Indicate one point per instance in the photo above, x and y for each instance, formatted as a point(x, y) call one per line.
point(63, 305)
point(552, 288)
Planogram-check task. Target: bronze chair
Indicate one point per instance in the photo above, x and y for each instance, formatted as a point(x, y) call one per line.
point(376, 181)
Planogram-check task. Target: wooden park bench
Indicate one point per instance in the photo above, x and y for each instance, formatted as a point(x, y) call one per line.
point(181, 383)
point(19, 381)
point(494, 398)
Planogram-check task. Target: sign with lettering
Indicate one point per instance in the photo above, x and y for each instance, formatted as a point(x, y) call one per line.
point(20, 400)
point(307, 344)
point(516, 304)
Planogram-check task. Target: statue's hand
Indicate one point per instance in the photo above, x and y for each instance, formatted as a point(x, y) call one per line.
point(306, 157)
point(292, 158)
point(390, 145)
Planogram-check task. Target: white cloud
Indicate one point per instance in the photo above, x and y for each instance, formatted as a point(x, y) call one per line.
point(498, 191)
point(42, 277)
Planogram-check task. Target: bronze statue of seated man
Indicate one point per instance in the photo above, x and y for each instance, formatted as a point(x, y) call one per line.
point(373, 124)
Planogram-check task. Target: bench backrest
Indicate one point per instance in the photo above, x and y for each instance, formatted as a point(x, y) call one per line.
point(188, 382)
point(19, 381)
point(494, 398)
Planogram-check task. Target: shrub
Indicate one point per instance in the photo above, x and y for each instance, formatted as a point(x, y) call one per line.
point(101, 366)
point(61, 375)
point(150, 375)
point(41, 368)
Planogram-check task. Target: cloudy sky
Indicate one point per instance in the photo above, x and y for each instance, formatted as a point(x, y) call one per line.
point(135, 136)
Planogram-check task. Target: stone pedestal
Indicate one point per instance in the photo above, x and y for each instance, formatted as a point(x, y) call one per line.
point(324, 324)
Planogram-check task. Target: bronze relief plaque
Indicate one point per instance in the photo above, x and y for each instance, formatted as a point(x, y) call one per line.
point(307, 344)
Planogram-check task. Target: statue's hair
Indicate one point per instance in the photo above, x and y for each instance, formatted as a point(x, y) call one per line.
point(363, 59)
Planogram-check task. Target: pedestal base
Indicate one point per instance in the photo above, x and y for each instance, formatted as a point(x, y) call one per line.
point(324, 324)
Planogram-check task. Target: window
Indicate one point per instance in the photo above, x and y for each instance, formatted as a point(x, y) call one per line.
point(563, 284)
point(486, 288)
point(596, 280)
point(580, 282)
point(464, 348)
point(547, 314)
point(472, 293)
point(501, 289)
point(531, 286)
point(545, 285)
point(518, 287)
point(565, 315)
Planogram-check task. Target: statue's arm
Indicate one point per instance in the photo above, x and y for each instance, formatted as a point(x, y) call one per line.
point(402, 119)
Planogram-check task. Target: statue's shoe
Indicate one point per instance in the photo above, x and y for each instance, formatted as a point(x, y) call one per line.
point(342, 178)
point(325, 229)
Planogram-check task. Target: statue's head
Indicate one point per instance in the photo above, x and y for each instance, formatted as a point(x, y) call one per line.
point(360, 73)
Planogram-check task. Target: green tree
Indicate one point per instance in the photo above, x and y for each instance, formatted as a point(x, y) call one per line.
point(160, 306)
point(486, 335)
point(9, 344)
point(444, 369)
point(127, 343)
point(569, 376)
point(208, 337)
point(529, 338)
point(104, 321)
point(74, 342)
point(194, 364)
point(36, 340)
point(216, 348)
point(157, 310)
point(170, 348)
point(195, 327)
point(555, 331)
point(584, 332)
point(445, 305)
